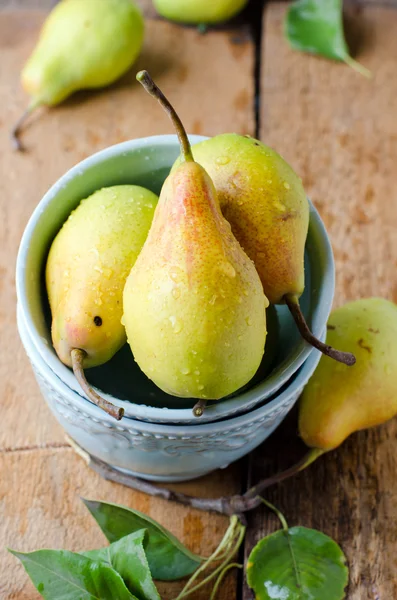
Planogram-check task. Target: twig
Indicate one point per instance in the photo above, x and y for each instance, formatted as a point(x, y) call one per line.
point(225, 505)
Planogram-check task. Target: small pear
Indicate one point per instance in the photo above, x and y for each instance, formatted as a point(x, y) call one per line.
point(87, 266)
point(264, 201)
point(194, 307)
point(338, 400)
point(198, 12)
point(83, 44)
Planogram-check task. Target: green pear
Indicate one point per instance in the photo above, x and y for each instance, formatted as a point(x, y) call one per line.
point(199, 11)
point(83, 44)
point(194, 307)
point(87, 266)
point(264, 201)
point(338, 400)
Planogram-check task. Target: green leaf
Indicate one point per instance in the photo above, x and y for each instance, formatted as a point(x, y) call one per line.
point(168, 559)
point(64, 575)
point(128, 558)
point(297, 564)
point(316, 26)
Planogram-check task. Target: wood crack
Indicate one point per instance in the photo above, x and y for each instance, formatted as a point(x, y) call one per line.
point(33, 447)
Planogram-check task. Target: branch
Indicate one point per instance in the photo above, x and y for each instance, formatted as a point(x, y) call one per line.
point(225, 505)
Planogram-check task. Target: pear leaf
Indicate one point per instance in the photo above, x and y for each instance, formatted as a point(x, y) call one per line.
point(128, 558)
point(168, 559)
point(64, 575)
point(316, 26)
point(297, 564)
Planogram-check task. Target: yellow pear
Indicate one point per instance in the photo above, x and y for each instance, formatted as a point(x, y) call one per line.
point(83, 44)
point(338, 400)
point(197, 12)
point(264, 201)
point(194, 307)
point(87, 266)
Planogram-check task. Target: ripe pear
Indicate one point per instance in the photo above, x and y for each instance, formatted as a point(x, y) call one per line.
point(83, 44)
point(264, 201)
point(87, 266)
point(197, 12)
point(338, 400)
point(194, 307)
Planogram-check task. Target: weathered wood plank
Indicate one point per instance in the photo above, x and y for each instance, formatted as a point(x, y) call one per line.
point(339, 131)
point(213, 99)
point(40, 507)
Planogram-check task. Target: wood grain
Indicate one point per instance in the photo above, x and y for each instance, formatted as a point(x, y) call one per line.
point(339, 131)
point(40, 508)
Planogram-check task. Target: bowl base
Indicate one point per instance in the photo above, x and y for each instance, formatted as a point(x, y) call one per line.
point(160, 478)
point(126, 476)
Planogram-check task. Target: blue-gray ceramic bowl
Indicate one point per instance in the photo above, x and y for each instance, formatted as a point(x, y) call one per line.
point(161, 452)
point(147, 162)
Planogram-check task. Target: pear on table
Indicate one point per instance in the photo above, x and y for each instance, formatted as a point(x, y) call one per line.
point(87, 266)
point(83, 44)
point(197, 12)
point(339, 401)
point(194, 307)
point(264, 201)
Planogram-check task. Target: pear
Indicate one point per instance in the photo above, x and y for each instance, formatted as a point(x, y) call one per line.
point(87, 266)
point(83, 44)
point(339, 401)
point(194, 307)
point(264, 201)
point(198, 12)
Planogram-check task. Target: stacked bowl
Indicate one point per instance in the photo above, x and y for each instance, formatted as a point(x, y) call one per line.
point(159, 438)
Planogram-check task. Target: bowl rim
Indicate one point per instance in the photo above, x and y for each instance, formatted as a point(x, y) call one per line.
point(227, 407)
point(87, 409)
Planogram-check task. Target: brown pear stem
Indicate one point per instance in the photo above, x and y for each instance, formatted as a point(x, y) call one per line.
point(225, 505)
point(307, 460)
point(347, 358)
point(78, 356)
point(16, 130)
point(199, 408)
point(144, 78)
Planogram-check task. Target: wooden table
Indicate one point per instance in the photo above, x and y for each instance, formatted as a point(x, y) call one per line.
point(339, 131)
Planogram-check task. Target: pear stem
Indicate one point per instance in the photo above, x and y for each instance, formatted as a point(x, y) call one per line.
point(224, 505)
point(277, 512)
point(347, 358)
point(16, 130)
point(78, 356)
point(221, 577)
point(199, 408)
point(302, 464)
point(358, 67)
point(145, 79)
point(235, 542)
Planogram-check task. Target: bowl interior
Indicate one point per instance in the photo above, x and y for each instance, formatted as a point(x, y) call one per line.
point(147, 162)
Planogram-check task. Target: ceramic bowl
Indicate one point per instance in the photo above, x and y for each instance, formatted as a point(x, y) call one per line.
point(147, 162)
point(161, 452)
